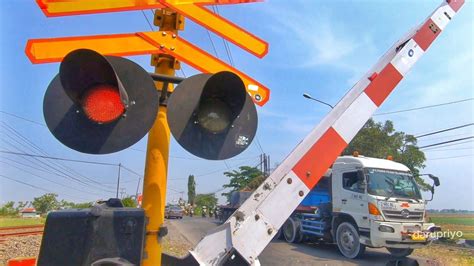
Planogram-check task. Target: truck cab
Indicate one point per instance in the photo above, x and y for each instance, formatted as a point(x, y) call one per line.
point(361, 202)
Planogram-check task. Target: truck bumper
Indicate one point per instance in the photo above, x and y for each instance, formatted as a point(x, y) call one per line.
point(401, 235)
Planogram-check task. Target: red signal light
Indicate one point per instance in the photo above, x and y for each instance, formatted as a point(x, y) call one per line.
point(102, 104)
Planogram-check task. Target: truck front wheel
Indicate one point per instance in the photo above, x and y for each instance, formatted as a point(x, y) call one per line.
point(348, 241)
point(400, 252)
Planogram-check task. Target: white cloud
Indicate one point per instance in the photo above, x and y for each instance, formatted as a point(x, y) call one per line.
point(325, 41)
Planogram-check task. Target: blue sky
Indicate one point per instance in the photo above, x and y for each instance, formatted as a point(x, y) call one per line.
point(318, 47)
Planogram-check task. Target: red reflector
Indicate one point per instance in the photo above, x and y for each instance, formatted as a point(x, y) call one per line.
point(102, 104)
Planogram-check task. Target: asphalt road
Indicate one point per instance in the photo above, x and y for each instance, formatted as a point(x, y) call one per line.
point(281, 253)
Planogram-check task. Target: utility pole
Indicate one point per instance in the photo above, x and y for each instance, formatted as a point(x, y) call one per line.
point(122, 192)
point(118, 180)
point(156, 165)
point(138, 187)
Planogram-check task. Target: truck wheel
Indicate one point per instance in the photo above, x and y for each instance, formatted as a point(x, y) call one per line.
point(348, 241)
point(291, 231)
point(400, 252)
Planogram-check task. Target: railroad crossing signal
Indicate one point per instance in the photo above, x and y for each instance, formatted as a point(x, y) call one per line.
point(222, 111)
point(100, 104)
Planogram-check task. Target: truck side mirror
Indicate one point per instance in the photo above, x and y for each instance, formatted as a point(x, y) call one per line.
point(435, 179)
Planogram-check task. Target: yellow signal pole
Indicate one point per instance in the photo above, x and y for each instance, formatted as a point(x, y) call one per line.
point(156, 165)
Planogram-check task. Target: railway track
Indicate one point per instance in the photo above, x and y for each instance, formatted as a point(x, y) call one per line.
point(24, 230)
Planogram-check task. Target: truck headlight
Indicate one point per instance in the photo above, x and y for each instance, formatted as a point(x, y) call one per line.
point(386, 229)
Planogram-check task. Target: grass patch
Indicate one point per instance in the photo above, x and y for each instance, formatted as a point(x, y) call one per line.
point(15, 221)
point(446, 255)
point(455, 222)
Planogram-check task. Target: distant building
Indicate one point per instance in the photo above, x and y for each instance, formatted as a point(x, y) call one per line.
point(29, 213)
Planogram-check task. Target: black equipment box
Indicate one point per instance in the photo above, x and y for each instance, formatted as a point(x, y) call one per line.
point(99, 235)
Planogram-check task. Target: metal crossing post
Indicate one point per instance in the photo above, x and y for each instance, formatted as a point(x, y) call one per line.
point(156, 165)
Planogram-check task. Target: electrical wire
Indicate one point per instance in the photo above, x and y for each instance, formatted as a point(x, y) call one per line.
point(30, 144)
point(22, 118)
point(424, 107)
point(131, 171)
point(149, 24)
point(447, 145)
point(49, 180)
point(443, 130)
point(458, 149)
point(40, 188)
point(57, 158)
point(443, 158)
point(63, 174)
point(445, 142)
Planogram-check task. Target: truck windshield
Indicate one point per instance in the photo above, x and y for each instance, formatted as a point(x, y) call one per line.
point(392, 184)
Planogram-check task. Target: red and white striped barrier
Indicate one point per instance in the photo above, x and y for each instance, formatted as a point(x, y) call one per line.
point(253, 225)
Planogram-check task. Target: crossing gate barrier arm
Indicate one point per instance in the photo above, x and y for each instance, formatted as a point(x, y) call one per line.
point(249, 230)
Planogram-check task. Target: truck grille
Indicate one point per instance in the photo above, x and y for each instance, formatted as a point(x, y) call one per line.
point(403, 215)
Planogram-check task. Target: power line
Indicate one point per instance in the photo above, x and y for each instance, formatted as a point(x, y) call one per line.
point(212, 43)
point(226, 45)
point(49, 180)
point(447, 145)
point(258, 144)
point(37, 148)
point(444, 130)
point(130, 170)
point(63, 174)
point(220, 170)
point(443, 158)
point(30, 185)
point(424, 107)
point(149, 24)
point(22, 118)
point(445, 142)
point(458, 149)
point(443, 137)
point(40, 188)
point(57, 158)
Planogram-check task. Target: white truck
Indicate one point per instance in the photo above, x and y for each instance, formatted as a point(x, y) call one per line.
point(361, 202)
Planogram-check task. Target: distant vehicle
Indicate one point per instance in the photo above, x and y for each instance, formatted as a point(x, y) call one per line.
point(174, 212)
point(360, 202)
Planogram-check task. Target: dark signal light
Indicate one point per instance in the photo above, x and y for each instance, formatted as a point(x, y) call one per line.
point(212, 116)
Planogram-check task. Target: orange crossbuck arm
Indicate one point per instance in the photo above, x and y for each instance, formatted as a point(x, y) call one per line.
point(141, 43)
point(193, 9)
point(57, 8)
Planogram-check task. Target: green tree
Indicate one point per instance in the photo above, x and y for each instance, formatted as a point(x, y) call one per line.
point(191, 189)
point(21, 205)
point(64, 204)
point(381, 140)
point(208, 200)
point(129, 202)
point(46, 203)
point(8, 209)
point(246, 178)
point(83, 205)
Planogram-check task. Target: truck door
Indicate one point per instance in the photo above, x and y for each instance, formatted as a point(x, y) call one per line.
point(351, 198)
